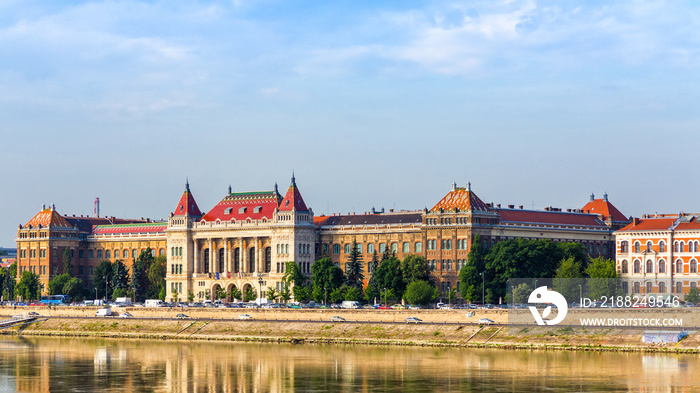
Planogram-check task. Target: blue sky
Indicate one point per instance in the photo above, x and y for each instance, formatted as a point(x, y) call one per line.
point(371, 103)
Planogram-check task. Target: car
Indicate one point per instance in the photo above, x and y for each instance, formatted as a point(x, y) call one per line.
point(32, 314)
point(245, 317)
point(337, 319)
point(125, 315)
point(181, 316)
point(485, 321)
point(398, 307)
point(413, 320)
point(383, 307)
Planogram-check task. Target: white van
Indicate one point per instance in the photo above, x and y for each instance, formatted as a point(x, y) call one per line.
point(154, 303)
point(350, 304)
point(103, 312)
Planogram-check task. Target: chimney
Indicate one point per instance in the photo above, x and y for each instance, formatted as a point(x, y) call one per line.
point(43, 207)
point(635, 221)
point(605, 197)
point(454, 186)
point(592, 197)
point(391, 210)
point(511, 206)
point(521, 207)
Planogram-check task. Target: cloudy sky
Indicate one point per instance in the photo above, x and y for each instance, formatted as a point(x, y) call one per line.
point(371, 103)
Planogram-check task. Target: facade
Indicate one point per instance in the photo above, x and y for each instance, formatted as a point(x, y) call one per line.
point(659, 254)
point(245, 240)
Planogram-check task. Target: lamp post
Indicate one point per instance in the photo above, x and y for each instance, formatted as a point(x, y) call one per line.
point(482, 288)
point(260, 281)
point(385, 298)
point(580, 296)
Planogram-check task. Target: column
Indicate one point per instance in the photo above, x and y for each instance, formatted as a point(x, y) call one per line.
point(227, 259)
point(257, 255)
point(196, 257)
point(244, 256)
point(212, 268)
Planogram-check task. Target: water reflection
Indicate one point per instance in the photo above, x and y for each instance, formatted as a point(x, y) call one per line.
point(88, 365)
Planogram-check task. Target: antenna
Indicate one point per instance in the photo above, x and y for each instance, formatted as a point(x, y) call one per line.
point(97, 207)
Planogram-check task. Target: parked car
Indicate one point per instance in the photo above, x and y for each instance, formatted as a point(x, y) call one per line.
point(337, 319)
point(103, 312)
point(125, 315)
point(245, 316)
point(413, 320)
point(181, 316)
point(485, 321)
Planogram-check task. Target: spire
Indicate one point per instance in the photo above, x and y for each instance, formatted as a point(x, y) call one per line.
point(187, 184)
point(292, 199)
point(187, 204)
point(294, 182)
point(229, 189)
point(605, 196)
point(276, 191)
point(469, 186)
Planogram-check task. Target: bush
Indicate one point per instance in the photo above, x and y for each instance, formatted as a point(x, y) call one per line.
point(420, 292)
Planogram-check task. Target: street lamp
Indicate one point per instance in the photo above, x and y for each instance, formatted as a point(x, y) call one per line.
point(385, 298)
point(260, 281)
point(580, 295)
point(482, 288)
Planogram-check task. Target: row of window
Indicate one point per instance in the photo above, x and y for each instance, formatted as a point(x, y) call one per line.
point(679, 246)
point(661, 287)
point(405, 248)
point(446, 264)
point(649, 268)
point(304, 249)
point(176, 251)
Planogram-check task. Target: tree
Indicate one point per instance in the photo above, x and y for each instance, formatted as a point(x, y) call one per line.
point(353, 268)
point(220, 293)
point(372, 290)
point(249, 294)
point(67, 265)
point(415, 268)
point(604, 279)
point(692, 296)
point(420, 292)
point(353, 293)
point(285, 295)
point(102, 279)
point(75, 288)
point(271, 293)
point(190, 296)
point(156, 275)
point(389, 276)
point(337, 295)
point(235, 293)
point(469, 275)
point(175, 293)
point(521, 293)
point(28, 286)
point(57, 283)
point(138, 279)
point(326, 277)
point(119, 292)
point(568, 279)
point(120, 277)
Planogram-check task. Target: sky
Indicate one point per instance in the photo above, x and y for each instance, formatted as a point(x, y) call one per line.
point(369, 103)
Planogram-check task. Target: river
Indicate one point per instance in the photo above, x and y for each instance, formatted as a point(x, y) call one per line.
point(103, 365)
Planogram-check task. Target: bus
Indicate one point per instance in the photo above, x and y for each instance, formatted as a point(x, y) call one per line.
point(55, 299)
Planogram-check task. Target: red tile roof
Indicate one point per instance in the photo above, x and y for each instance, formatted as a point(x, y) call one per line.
point(187, 204)
point(606, 209)
point(461, 198)
point(49, 217)
point(292, 199)
point(693, 224)
point(85, 224)
point(650, 224)
point(151, 227)
point(411, 217)
point(243, 205)
point(551, 218)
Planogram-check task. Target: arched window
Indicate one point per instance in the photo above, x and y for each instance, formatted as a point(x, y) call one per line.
point(624, 247)
point(268, 259)
point(370, 248)
point(286, 248)
point(679, 287)
point(650, 266)
point(636, 288)
point(693, 266)
point(359, 248)
point(649, 246)
point(679, 266)
point(637, 267)
point(336, 249)
point(278, 249)
point(442, 265)
point(449, 244)
point(662, 266)
point(649, 287)
point(161, 252)
point(301, 249)
point(116, 254)
point(222, 267)
point(172, 251)
point(406, 247)
point(251, 259)
point(419, 247)
point(636, 246)
point(348, 248)
point(449, 265)
point(662, 287)
point(624, 267)
point(662, 246)
point(682, 246)
point(107, 256)
point(394, 247)
point(382, 247)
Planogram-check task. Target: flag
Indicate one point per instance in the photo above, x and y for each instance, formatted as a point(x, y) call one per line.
point(239, 275)
point(228, 274)
point(217, 275)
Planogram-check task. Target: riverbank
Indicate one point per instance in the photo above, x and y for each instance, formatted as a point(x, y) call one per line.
point(226, 327)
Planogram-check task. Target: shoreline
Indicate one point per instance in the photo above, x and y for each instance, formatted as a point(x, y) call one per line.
point(328, 333)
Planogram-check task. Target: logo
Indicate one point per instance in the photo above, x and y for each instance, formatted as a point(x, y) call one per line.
point(542, 296)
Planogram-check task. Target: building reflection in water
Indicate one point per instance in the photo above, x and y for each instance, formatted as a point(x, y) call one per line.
point(53, 365)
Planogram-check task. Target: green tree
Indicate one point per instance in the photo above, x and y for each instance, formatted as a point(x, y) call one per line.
point(415, 268)
point(156, 275)
point(337, 295)
point(568, 278)
point(285, 295)
point(271, 294)
point(469, 275)
point(75, 288)
point(174, 296)
point(353, 268)
point(235, 294)
point(692, 296)
point(57, 283)
point(220, 293)
point(139, 279)
point(190, 296)
point(249, 294)
point(389, 276)
point(119, 292)
point(28, 286)
point(120, 277)
point(325, 277)
point(353, 293)
point(420, 292)
point(604, 279)
point(67, 263)
point(521, 293)
point(102, 280)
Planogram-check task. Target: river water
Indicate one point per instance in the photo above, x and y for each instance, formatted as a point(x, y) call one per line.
point(99, 365)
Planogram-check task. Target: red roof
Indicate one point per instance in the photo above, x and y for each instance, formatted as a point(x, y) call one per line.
point(408, 217)
point(604, 208)
point(187, 204)
point(151, 227)
point(292, 199)
point(461, 198)
point(545, 217)
point(49, 217)
point(693, 224)
point(243, 205)
point(650, 224)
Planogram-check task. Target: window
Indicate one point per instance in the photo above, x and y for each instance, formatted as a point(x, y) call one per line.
point(370, 248)
point(99, 254)
point(624, 247)
point(693, 266)
point(649, 246)
point(133, 253)
point(624, 267)
point(91, 254)
point(257, 209)
point(636, 288)
point(662, 246)
point(301, 249)
point(682, 246)
point(679, 266)
point(625, 287)
point(637, 267)
point(693, 284)
point(394, 247)
point(336, 249)
point(406, 247)
point(116, 254)
point(382, 247)
point(242, 210)
point(679, 287)
point(650, 266)
point(675, 247)
point(347, 248)
point(419, 247)
point(636, 247)
point(662, 266)
point(359, 248)
point(649, 287)
point(449, 244)
point(325, 249)
point(107, 256)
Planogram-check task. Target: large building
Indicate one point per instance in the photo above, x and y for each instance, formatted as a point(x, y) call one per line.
point(245, 240)
point(659, 254)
